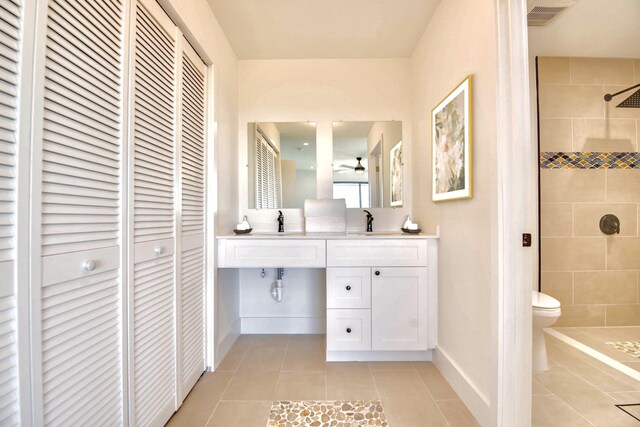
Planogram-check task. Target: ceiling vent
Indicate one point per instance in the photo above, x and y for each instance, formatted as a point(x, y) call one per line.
point(544, 12)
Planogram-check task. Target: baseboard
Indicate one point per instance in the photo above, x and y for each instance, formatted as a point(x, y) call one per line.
point(473, 398)
point(284, 325)
point(227, 342)
point(379, 356)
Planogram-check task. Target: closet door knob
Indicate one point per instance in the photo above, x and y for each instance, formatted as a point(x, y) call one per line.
point(348, 330)
point(159, 250)
point(348, 287)
point(377, 272)
point(89, 265)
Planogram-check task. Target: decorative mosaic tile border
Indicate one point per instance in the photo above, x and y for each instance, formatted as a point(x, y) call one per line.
point(589, 160)
point(334, 413)
point(630, 347)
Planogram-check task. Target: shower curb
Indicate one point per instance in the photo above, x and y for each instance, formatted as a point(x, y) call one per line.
point(595, 354)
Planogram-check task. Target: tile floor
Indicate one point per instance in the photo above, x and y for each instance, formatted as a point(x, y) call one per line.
point(262, 368)
point(579, 390)
point(597, 339)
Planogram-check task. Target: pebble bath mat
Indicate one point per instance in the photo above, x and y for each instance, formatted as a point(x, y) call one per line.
point(332, 413)
point(630, 347)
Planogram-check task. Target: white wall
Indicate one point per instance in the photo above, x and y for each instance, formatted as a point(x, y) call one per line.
point(201, 28)
point(461, 40)
point(321, 91)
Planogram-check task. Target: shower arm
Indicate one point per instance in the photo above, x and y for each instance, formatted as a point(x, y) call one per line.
point(608, 97)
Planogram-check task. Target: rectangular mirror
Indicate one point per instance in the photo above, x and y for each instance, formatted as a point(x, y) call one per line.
point(282, 164)
point(367, 164)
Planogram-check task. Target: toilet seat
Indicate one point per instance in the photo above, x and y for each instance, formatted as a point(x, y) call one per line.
point(543, 302)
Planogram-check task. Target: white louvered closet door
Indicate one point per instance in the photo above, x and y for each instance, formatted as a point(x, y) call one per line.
point(81, 288)
point(154, 129)
point(10, 43)
point(191, 321)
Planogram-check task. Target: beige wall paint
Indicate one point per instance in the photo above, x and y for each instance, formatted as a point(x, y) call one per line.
point(461, 40)
point(325, 91)
point(594, 276)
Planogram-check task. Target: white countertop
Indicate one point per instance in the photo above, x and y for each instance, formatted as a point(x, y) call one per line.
point(292, 235)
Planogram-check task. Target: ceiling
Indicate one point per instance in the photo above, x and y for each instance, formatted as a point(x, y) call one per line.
point(312, 29)
point(298, 143)
point(592, 28)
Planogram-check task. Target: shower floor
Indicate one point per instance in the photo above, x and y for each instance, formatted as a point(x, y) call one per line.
point(579, 390)
point(598, 337)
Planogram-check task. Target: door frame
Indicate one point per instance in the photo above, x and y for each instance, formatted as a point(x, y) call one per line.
point(516, 215)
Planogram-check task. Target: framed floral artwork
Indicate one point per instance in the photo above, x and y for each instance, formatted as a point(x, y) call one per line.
point(395, 174)
point(451, 140)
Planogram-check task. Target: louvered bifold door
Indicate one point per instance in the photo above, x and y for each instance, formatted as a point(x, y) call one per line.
point(192, 183)
point(81, 287)
point(10, 41)
point(154, 131)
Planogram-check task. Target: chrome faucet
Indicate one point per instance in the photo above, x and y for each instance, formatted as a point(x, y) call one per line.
point(369, 221)
point(280, 222)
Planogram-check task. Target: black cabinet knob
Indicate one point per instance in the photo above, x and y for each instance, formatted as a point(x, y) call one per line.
point(377, 273)
point(348, 287)
point(348, 330)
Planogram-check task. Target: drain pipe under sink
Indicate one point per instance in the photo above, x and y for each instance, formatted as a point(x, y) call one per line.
point(276, 287)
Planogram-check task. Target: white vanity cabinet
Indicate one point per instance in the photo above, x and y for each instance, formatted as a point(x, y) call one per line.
point(381, 289)
point(378, 286)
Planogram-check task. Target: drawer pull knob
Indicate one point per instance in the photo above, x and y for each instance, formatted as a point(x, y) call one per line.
point(348, 287)
point(89, 265)
point(377, 272)
point(348, 330)
point(159, 250)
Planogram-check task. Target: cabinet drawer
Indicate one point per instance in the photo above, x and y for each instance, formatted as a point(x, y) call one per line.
point(348, 329)
point(349, 287)
point(377, 252)
point(271, 253)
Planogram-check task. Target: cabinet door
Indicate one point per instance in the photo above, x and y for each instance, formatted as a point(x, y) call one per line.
point(191, 319)
point(153, 334)
point(399, 308)
point(81, 287)
point(11, 22)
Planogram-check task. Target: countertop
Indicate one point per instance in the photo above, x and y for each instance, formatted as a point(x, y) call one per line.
point(293, 235)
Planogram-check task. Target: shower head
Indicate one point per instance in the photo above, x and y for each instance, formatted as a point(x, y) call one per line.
point(631, 102)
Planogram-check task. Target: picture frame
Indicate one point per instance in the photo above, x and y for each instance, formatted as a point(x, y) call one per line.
point(451, 135)
point(395, 175)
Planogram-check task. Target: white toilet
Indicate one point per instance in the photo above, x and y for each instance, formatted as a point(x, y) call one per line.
point(546, 310)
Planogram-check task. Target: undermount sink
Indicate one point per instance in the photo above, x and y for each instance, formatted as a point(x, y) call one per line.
point(373, 233)
point(269, 234)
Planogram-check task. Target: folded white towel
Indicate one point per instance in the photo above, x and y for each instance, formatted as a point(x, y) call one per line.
point(325, 224)
point(325, 216)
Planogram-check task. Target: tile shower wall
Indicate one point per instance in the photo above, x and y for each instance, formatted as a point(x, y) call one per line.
point(589, 167)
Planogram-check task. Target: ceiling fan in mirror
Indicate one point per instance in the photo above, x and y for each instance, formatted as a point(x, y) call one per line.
point(346, 168)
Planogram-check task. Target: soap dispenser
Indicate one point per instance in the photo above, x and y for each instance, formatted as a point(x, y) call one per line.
point(245, 223)
point(407, 222)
